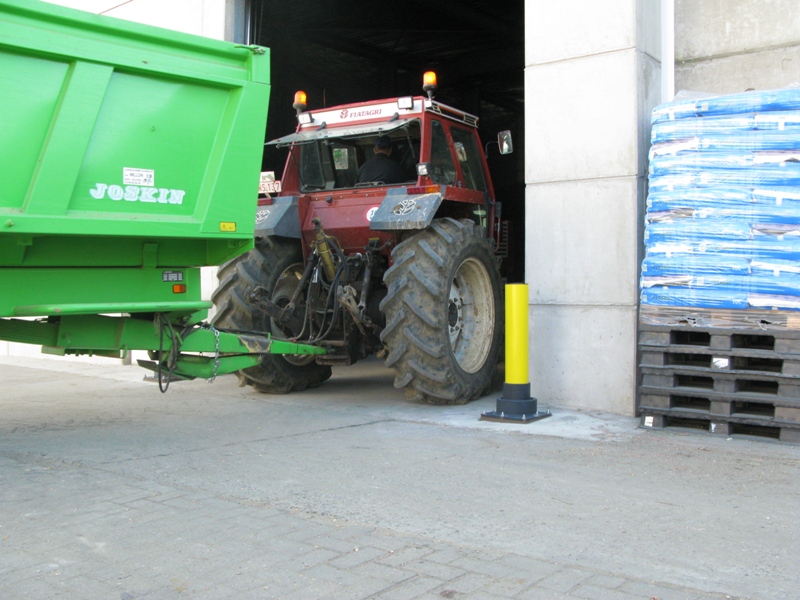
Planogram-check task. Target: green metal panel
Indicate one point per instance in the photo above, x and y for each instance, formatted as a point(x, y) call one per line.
point(34, 292)
point(114, 336)
point(122, 145)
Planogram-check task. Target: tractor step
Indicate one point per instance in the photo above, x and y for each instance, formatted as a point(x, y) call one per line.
point(335, 360)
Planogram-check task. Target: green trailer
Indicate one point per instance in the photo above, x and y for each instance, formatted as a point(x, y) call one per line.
point(130, 158)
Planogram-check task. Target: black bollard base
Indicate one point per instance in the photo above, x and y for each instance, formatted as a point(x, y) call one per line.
point(516, 406)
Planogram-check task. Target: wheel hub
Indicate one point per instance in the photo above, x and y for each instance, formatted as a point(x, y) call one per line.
point(454, 310)
point(281, 295)
point(471, 315)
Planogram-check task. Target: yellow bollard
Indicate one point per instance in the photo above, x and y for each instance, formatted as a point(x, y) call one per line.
point(517, 333)
point(516, 404)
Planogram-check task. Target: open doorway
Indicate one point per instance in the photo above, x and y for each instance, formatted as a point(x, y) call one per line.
point(349, 51)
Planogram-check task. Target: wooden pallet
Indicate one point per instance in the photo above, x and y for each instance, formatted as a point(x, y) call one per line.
point(724, 380)
point(651, 419)
point(756, 319)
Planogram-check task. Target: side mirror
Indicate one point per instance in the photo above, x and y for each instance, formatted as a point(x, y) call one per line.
point(505, 142)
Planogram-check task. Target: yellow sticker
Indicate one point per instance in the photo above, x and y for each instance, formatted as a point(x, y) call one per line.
point(227, 226)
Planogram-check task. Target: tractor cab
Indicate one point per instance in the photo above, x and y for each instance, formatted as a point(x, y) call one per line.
point(440, 168)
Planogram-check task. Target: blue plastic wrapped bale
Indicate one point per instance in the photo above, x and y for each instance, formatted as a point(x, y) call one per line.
point(783, 124)
point(729, 297)
point(764, 282)
point(763, 248)
point(780, 199)
point(678, 109)
point(782, 203)
point(664, 200)
point(775, 267)
point(773, 247)
point(663, 207)
point(773, 302)
point(787, 99)
point(687, 231)
point(756, 101)
point(740, 143)
point(684, 129)
point(722, 227)
point(774, 230)
point(719, 169)
point(716, 283)
point(782, 283)
point(696, 266)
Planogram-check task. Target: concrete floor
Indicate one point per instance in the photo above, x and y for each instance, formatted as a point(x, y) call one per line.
point(110, 489)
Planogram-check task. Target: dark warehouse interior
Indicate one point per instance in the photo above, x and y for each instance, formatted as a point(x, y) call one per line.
point(353, 50)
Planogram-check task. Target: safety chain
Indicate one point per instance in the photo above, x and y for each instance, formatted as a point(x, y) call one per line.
point(216, 353)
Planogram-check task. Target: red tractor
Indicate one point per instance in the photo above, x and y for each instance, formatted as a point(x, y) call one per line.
point(397, 259)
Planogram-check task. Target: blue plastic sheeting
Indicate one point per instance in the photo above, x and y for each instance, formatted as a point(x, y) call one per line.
point(659, 212)
point(695, 266)
point(718, 297)
point(730, 127)
point(691, 230)
point(762, 249)
point(736, 286)
point(722, 228)
point(756, 141)
point(717, 169)
point(774, 203)
point(787, 99)
point(744, 177)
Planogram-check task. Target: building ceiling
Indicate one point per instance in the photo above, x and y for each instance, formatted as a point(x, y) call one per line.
point(352, 50)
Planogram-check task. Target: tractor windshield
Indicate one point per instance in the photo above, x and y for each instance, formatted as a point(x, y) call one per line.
point(330, 159)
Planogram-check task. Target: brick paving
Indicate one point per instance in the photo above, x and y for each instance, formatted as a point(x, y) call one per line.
point(85, 524)
point(78, 531)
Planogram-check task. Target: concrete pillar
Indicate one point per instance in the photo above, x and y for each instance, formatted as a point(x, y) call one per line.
point(591, 79)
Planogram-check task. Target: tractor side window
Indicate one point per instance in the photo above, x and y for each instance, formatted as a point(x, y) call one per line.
point(406, 150)
point(345, 164)
point(443, 170)
point(311, 174)
point(468, 154)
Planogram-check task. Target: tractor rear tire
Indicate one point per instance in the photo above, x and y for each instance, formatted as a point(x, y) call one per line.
point(444, 314)
point(275, 264)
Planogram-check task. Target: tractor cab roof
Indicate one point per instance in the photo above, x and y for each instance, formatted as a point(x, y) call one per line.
point(377, 116)
point(342, 131)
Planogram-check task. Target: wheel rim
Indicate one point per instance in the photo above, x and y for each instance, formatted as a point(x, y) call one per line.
point(471, 315)
point(281, 295)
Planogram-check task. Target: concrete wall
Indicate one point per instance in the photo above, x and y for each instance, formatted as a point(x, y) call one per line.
point(592, 77)
point(728, 46)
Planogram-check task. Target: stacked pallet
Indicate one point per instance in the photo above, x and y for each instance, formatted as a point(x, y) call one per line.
point(725, 381)
point(720, 283)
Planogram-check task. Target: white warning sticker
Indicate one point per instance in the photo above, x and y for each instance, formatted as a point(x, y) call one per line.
point(146, 177)
point(172, 276)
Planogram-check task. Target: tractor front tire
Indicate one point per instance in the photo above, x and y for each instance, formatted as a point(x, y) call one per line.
point(275, 264)
point(444, 314)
